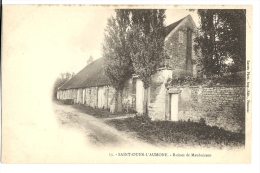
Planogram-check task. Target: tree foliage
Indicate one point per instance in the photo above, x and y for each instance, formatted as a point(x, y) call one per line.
point(63, 78)
point(147, 42)
point(134, 42)
point(116, 49)
point(221, 37)
point(116, 52)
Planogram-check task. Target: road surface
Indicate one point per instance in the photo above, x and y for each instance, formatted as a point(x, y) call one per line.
point(54, 133)
point(96, 131)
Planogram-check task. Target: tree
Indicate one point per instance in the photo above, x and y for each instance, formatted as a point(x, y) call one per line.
point(147, 45)
point(221, 37)
point(64, 77)
point(116, 52)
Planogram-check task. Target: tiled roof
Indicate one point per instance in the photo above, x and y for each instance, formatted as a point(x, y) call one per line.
point(90, 76)
point(170, 27)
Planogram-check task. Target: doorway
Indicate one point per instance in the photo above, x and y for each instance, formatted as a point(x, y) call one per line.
point(174, 107)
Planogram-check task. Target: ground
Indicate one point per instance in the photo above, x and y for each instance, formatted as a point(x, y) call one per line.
point(96, 130)
point(102, 128)
point(57, 133)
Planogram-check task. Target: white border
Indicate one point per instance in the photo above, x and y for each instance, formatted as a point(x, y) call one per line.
point(253, 167)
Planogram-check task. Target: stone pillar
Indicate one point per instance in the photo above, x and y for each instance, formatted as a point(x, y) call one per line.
point(166, 75)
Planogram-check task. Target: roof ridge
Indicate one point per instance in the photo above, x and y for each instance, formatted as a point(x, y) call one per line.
point(170, 27)
point(178, 20)
point(90, 76)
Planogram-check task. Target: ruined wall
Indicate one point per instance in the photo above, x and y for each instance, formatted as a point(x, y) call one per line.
point(221, 106)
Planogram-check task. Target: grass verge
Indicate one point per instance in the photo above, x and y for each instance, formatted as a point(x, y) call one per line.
point(180, 133)
point(96, 112)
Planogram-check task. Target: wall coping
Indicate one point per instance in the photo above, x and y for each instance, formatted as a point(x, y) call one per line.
point(205, 86)
point(165, 68)
point(173, 91)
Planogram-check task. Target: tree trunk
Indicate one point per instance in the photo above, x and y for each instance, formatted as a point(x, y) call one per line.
point(118, 101)
point(146, 101)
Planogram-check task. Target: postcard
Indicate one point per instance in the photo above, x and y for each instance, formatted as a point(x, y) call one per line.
point(126, 84)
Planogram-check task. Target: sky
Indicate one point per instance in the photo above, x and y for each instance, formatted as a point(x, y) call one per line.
point(68, 35)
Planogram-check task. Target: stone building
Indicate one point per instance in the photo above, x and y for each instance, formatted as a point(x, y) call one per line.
point(91, 87)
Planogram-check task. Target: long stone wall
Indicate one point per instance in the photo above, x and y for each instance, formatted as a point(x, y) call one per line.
point(221, 106)
point(89, 96)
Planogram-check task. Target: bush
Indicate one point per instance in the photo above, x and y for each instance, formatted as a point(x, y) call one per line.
point(202, 121)
point(232, 79)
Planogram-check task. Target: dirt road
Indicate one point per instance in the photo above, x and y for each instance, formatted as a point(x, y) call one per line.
point(52, 133)
point(95, 130)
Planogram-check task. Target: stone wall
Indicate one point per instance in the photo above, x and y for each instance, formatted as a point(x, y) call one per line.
point(106, 94)
point(80, 99)
point(74, 95)
point(91, 96)
point(111, 98)
point(157, 100)
point(128, 95)
point(221, 106)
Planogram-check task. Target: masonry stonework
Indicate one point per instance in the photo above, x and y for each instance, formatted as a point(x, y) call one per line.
point(221, 106)
point(111, 98)
point(178, 50)
point(156, 107)
point(128, 96)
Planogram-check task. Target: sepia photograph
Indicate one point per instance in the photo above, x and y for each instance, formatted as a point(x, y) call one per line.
point(126, 84)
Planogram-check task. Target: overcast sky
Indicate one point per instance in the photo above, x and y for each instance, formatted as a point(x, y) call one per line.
point(65, 36)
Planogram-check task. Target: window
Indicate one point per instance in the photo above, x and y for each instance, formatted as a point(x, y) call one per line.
point(180, 37)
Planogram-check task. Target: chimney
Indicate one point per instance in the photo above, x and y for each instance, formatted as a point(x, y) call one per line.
point(90, 60)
